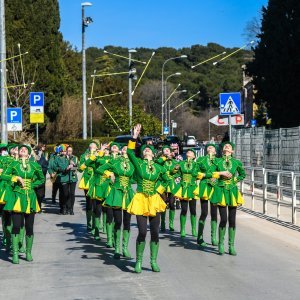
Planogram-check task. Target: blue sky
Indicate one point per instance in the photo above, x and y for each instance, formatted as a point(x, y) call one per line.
point(157, 23)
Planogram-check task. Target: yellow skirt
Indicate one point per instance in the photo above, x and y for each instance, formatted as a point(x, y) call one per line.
point(148, 206)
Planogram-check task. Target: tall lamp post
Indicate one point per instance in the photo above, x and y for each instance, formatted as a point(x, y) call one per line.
point(130, 51)
point(86, 21)
point(167, 107)
point(3, 73)
point(162, 89)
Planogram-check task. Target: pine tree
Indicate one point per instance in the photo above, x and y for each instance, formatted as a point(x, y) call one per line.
point(35, 25)
point(276, 65)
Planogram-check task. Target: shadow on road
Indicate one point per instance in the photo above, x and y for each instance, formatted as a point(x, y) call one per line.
point(189, 242)
point(270, 219)
point(91, 247)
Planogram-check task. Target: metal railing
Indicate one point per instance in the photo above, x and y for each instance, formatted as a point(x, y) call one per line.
point(283, 192)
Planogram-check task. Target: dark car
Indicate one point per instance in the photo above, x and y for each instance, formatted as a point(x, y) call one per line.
point(153, 138)
point(123, 140)
point(174, 139)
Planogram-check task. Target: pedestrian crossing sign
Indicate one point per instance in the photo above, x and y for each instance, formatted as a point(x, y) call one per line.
point(230, 104)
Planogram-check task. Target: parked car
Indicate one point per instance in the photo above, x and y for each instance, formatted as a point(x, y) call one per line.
point(191, 141)
point(153, 138)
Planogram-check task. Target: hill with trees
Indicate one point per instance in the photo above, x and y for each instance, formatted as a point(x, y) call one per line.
point(55, 67)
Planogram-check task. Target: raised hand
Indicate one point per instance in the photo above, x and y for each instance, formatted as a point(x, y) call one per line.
point(136, 131)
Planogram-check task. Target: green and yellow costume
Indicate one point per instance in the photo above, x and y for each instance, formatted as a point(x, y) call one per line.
point(121, 192)
point(24, 200)
point(226, 192)
point(147, 201)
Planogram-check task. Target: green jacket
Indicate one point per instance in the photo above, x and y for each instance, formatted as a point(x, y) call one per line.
point(232, 165)
point(60, 167)
point(148, 173)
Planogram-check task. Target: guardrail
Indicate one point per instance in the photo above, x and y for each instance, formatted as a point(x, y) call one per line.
point(289, 191)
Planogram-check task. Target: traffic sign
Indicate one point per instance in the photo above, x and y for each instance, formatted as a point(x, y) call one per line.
point(36, 100)
point(166, 130)
point(224, 120)
point(14, 119)
point(230, 104)
point(174, 125)
point(253, 123)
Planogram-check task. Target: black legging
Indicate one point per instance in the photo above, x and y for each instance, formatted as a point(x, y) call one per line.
point(231, 216)
point(55, 187)
point(40, 194)
point(88, 202)
point(18, 222)
point(97, 208)
point(109, 215)
point(118, 214)
point(184, 207)
point(69, 194)
point(204, 211)
point(6, 216)
point(154, 228)
point(169, 198)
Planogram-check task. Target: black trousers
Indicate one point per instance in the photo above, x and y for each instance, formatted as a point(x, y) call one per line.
point(109, 215)
point(231, 217)
point(120, 214)
point(204, 211)
point(88, 202)
point(68, 190)
point(6, 216)
point(97, 208)
point(154, 228)
point(55, 188)
point(170, 199)
point(184, 207)
point(40, 194)
point(19, 219)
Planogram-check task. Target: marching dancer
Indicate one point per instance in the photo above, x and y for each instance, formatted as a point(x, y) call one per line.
point(207, 165)
point(226, 195)
point(146, 203)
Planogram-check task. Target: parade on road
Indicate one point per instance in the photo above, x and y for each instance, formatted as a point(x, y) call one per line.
point(108, 176)
point(149, 150)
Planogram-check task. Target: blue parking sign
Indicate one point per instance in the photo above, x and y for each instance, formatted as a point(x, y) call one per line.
point(36, 99)
point(14, 119)
point(166, 130)
point(230, 104)
point(253, 123)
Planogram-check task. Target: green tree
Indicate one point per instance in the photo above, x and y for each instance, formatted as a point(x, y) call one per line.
point(276, 65)
point(35, 25)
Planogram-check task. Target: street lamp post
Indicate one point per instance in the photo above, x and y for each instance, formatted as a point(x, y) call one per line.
point(85, 23)
point(130, 88)
point(162, 89)
point(3, 73)
point(167, 107)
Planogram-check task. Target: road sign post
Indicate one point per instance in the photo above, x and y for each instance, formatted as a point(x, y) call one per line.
point(37, 115)
point(230, 105)
point(14, 119)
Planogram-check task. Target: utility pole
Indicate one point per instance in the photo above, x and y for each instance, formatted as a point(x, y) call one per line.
point(130, 86)
point(85, 22)
point(3, 74)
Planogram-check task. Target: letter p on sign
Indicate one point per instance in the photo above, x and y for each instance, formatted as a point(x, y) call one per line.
point(13, 114)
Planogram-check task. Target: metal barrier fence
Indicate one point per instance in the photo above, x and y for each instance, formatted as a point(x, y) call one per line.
point(283, 191)
point(277, 149)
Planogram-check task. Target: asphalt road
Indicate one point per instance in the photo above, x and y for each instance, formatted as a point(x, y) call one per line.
point(69, 264)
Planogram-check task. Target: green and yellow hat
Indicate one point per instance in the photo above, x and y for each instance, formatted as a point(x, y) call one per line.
point(2, 146)
point(228, 143)
point(115, 144)
point(148, 146)
point(26, 146)
point(211, 145)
